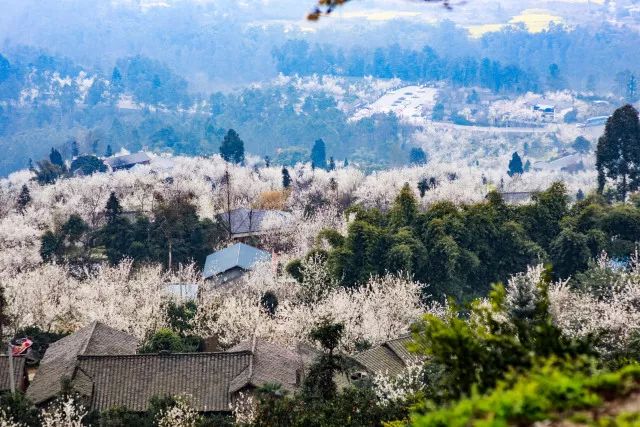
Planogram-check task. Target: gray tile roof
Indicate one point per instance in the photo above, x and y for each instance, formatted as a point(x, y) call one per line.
point(61, 357)
point(253, 221)
point(273, 364)
point(131, 381)
point(127, 161)
point(389, 358)
point(18, 373)
point(236, 256)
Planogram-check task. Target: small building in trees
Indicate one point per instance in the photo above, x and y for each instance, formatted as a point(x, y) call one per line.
point(183, 291)
point(547, 111)
point(127, 161)
point(516, 197)
point(593, 121)
point(229, 264)
point(570, 163)
point(390, 358)
point(243, 223)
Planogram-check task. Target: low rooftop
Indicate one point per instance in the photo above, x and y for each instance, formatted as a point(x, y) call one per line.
point(235, 256)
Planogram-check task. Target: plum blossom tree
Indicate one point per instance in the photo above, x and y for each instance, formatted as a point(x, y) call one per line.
point(374, 313)
point(605, 308)
point(181, 414)
point(65, 412)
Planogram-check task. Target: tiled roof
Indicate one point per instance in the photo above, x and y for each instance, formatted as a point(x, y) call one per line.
point(131, 381)
point(18, 373)
point(389, 358)
point(239, 255)
point(127, 160)
point(254, 221)
point(272, 363)
point(61, 357)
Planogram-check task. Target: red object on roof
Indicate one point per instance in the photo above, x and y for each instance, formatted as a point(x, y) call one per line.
point(21, 346)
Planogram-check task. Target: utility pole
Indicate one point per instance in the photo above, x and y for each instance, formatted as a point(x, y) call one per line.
point(227, 178)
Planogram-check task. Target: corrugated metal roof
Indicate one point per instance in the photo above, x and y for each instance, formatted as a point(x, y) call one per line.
point(238, 255)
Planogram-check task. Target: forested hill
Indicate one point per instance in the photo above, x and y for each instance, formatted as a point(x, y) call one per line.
point(139, 104)
point(511, 60)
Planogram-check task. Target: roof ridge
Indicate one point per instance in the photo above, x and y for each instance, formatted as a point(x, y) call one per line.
point(92, 331)
point(254, 343)
point(147, 355)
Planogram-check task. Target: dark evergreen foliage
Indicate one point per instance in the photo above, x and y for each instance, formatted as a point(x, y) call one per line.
point(618, 152)
point(232, 148)
point(24, 198)
point(417, 156)
point(87, 165)
point(286, 178)
point(515, 165)
point(319, 155)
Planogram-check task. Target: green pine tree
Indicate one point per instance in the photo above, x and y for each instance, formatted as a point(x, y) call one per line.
point(286, 178)
point(319, 155)
point(515, 165)
point(24, 198)
point(232, 148)
point(618, 152)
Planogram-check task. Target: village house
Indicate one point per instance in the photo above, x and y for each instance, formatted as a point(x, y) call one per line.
point(231, 263)
point(61, 358)
point(100, 364)
point(389, 358)
point(243, 223)
point(127, 161)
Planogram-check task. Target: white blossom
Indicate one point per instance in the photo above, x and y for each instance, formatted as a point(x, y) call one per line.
point(66, 412)
point(179, 415)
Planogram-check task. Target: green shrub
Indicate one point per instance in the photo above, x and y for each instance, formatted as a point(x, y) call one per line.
point(547, 391)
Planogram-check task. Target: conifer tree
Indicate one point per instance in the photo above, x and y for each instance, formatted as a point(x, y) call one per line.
point(417, 156)
point(515, 165)
point(56, 158)
point(423, 186)
point(232, 147)
point(23, 199)
point(113, 208)
point(286, 178)
point(319, 155)
point(332, 164)
point(405, 208)
point(618, 152)
point(75, 151)
point(109, 151)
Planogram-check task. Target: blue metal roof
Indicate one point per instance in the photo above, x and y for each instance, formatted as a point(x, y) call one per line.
point(238, 255)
